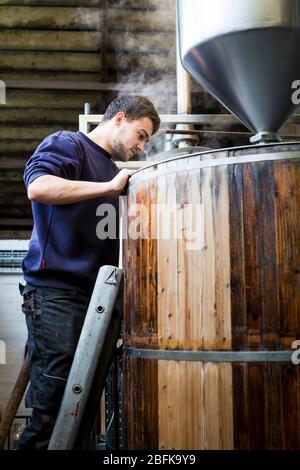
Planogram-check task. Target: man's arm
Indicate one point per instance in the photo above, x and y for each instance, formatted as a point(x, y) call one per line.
point(49, 189)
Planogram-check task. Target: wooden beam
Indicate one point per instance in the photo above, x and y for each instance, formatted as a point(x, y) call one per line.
point(20, 200)
point(16, 222)
point(57, 100)
point(66, 61)
point(167, 87)
point(12, 188)
point(10, 175)
point(130, 4)
point(49, 75)
point(15, 234)
point(16, 147)
point(86, 41)
point(14, 39)
point(115, 77)
point(29, 132)
point(9, 163)
point(104, 42)
point(157, 20)
point(23, 116)
point(69, 3)
point(85, 19)
point(12, 210)
point(85, 62)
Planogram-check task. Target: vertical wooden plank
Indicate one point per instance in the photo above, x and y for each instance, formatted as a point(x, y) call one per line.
point(152, 267)
point(190, 419)
point(126, 403)
point(256, 405)
point(237, 259)
point(162, 264)
point(193, 386)
point(267, 258)
point(167, 264)
point(295, 207)
point(241, 416)
point(194, 222)
point(163, 418)
point(226, 406)
point(209, 312)
point(130, 278)
point(201, 419)
point(151, 399)
point(211, 407)
point(252, 261)
point(168, 410)
point(180, 418)
point(291, 406)
point(184, 310)
point(142, 323)
point(145, 261)
point(222, 258)
point(141, 404)
point(135, 317)
point(141, 265)
point(286, 228)
point(190, 225)
point(274, 417)
point(180, 426)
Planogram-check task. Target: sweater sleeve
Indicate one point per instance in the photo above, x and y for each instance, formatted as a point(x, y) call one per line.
point(57, 155)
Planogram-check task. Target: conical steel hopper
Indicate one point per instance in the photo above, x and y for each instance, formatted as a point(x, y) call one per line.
point(246, 53)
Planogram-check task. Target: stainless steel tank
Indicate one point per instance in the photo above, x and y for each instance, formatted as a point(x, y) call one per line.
point(246, 53)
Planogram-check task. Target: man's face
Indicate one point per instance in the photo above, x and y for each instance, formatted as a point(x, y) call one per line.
point(130, 138)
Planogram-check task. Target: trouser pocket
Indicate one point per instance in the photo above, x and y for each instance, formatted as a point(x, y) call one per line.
point(30, 305)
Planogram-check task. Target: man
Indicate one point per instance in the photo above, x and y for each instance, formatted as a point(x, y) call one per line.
point(67, 178)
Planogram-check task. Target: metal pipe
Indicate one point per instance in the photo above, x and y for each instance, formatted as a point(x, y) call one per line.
point(87, 108)
point(184, 99)
point(184, 102)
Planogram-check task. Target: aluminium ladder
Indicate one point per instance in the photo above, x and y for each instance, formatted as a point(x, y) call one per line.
point(90, 366)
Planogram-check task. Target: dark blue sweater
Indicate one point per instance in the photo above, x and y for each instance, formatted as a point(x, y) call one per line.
point(64, 249)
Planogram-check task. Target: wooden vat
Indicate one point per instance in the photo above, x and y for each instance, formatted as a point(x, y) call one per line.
point(208, 331)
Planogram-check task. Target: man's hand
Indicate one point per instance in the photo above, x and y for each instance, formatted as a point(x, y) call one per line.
point(119, 182)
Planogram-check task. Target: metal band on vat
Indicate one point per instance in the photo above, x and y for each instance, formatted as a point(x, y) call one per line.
point(210, 356)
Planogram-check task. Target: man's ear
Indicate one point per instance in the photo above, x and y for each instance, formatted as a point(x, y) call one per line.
point(119, 118)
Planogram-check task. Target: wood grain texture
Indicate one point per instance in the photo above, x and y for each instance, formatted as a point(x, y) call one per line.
point(237, 292)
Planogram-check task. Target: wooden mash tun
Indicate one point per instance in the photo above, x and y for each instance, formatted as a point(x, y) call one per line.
point(209, 331)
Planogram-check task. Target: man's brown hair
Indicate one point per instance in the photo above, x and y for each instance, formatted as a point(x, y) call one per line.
point(134, 107)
